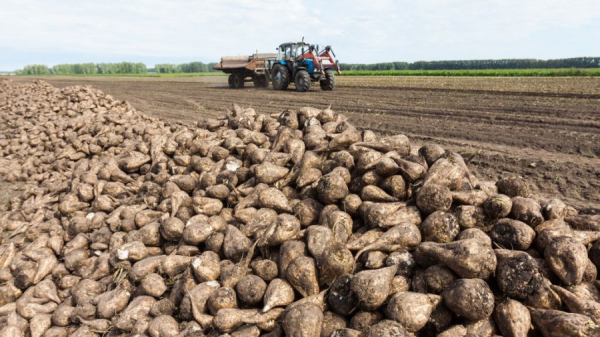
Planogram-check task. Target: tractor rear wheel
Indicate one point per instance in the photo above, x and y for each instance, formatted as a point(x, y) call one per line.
point(238, 81)
point(281, 77)
point(302, 81)
point(328, 82)
point(230, 81)
point(261, 81)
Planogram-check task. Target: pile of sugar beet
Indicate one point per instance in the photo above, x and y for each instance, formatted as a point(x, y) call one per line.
point(295, 224)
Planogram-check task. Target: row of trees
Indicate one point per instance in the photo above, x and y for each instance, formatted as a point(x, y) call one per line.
point(166, 68)
point(192, 67)
point(199, 67)
point(114, 68)
point(577, 62)
point(80, 68)
point(85, 68)
point(376, 66)
point(122, 68)
point(34, 69)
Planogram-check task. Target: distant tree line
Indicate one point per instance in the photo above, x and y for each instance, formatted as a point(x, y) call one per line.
point(166, 68)
point(577, 62)
point(375, 66)
point(79, 68)
point(34, 69)
point(122, 68)
point(85, 68)
point(192, 67)
point(199, 67)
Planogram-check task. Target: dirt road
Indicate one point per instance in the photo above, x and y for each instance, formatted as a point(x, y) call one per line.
point(545, 129)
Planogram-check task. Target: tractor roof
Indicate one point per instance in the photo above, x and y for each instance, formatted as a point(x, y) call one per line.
point(289, 43)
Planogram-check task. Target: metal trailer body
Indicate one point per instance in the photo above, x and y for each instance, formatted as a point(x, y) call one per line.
point(254, 68)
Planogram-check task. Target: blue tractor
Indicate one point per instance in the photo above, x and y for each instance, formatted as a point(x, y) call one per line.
point(302, 64)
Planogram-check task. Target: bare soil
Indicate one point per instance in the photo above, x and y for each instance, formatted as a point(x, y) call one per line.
point(545, 129)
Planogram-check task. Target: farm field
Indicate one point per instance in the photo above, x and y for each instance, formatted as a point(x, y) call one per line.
point(539, 72)
point(546, 129)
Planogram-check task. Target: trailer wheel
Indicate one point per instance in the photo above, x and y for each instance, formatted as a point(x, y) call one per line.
point(328, 83)
point(230, 81)
point(302, 81)
point(281, 77)
point(238, 81)
point(261, 81)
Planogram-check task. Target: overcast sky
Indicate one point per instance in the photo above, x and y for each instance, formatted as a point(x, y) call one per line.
point(152, 31)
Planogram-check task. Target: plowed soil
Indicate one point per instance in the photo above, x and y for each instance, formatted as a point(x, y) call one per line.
point(544, 129)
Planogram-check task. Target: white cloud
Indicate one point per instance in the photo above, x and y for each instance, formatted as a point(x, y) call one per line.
point(376, 30)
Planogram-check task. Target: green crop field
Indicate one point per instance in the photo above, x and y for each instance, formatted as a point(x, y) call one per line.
point(479, 72)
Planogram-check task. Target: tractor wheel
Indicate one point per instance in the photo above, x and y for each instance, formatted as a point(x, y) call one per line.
point(328, 83)
point(302, 81)
point(238, 81)
point(230, 81)
point(261, 81)
point(281, 77)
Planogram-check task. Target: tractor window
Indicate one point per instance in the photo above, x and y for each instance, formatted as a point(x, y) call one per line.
point(288, 52)
point(291, 51)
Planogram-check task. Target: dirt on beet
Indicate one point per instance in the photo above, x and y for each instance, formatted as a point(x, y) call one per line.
point(544, 129)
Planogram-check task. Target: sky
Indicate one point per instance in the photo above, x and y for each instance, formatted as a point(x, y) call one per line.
point(151, 31)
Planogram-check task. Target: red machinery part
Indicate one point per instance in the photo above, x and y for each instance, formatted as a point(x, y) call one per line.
point(318, 60)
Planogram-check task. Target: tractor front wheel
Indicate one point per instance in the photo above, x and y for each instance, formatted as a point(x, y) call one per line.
point(238, 81)
point(302, 81)
point(281, 77)
point(328, 82)
point(230, 81)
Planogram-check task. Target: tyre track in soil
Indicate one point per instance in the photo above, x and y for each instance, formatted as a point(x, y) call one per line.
point(551, 138)
point(488, 92)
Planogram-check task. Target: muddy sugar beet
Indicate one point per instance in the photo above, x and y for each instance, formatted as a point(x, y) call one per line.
point(292, 224)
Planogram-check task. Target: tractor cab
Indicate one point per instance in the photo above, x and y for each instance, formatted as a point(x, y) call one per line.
point(302, 64)
point(292, 55)
point(288, 51)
